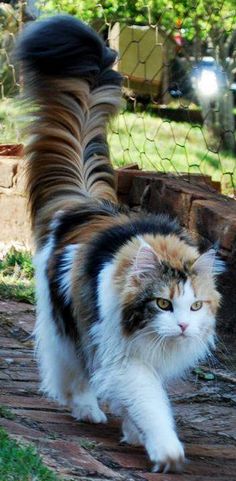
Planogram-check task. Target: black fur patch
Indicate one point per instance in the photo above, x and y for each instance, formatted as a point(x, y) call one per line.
point(176, 274)
point(134, 317)
point(63, 46)
point(83, 214)
point(96, 146)
point(62, 310)
point(103, 169)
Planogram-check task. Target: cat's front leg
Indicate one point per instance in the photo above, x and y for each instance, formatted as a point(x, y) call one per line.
point(139, 394)
point(167, 460)
point(166, 455)
point(150, 411)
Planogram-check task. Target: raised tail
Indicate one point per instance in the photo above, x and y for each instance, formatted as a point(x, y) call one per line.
point(67, 73)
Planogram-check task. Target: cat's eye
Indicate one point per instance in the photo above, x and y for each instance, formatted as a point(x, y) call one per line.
point(196, 306)
point(164, 304)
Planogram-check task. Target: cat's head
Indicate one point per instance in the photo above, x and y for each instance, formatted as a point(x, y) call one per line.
point(168, 288)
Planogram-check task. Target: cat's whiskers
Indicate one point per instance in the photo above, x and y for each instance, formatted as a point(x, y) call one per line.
point(158, 349)
point(156, 346)
point(139, 337)
point(208, 355)
point(153, 349)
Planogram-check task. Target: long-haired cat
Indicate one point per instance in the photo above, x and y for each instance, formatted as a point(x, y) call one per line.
point(124, 301)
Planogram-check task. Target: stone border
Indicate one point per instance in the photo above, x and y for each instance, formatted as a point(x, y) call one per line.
point(194, 199)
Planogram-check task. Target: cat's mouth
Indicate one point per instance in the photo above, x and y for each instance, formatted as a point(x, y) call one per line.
point(180, 336)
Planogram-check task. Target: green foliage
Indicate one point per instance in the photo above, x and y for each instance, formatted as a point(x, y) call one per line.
point(203, 17)
point(22, 291)
point(6, 413)
point(16, 276)
point(205, 375)
point(9, 26)
point(13, 113)
point(199, 17)
point(17, 262)
point(90, 11)
point(21, 463)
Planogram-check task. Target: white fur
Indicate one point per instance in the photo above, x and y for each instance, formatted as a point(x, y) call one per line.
point(62, 375)
point(131, 435)
point(145, 261)
point(209, 262)
point(65, 271)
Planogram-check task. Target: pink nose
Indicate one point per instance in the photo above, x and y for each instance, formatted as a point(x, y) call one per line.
point(183, 326)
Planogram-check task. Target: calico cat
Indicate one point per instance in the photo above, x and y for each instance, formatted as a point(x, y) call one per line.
point(124, 301)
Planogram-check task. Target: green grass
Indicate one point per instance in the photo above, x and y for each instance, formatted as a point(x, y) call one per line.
point(6, 413)
point(16, 277)
point(21, 463)
point(167, 146)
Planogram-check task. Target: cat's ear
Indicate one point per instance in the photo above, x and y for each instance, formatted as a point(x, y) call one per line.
point(145, 261)
point(209, 263)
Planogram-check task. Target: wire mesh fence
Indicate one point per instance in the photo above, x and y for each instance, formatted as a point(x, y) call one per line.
point(178, 60)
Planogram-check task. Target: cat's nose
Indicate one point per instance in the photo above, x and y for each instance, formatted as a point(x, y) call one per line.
point(183, 326)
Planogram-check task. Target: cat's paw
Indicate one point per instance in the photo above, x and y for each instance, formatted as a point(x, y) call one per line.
point(84, 407)
point(89, 414)
point(167, 457)
point(130, 433)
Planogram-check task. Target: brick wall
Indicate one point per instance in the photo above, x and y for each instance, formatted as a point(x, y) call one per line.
point(14, 219)
point(195, 200)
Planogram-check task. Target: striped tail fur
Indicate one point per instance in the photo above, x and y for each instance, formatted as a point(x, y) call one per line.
point(67, 71)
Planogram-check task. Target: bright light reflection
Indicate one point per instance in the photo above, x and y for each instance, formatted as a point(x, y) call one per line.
point(207, 83)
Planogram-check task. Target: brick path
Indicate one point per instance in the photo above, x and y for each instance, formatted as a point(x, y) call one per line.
point(204, 411)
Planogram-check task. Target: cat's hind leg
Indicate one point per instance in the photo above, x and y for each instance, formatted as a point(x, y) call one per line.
point(63, 377)
point(131, 435)
point(84, 404)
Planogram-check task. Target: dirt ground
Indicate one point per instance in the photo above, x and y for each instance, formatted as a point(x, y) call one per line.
point(204, 410)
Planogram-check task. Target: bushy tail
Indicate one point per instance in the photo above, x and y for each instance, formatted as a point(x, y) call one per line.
point(67, 73)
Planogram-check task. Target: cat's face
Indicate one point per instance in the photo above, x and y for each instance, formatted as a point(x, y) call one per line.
point(168, 289)
point(182, 311)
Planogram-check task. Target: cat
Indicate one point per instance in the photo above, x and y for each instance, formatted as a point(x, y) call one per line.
point(125, 301)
